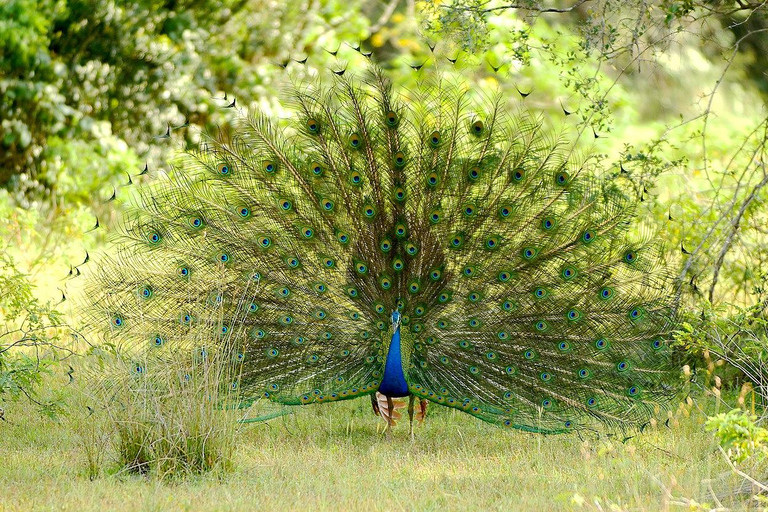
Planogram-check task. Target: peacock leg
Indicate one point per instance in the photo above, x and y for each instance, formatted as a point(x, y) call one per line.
point(375, 405)
point(411, 400)
point(390, 409)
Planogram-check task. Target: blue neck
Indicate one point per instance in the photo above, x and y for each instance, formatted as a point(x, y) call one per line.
point(393, 384)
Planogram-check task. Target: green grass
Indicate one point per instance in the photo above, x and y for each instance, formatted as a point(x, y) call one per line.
point(331, 457)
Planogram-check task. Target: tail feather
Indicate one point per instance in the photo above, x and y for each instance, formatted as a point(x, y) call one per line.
point(528, 296)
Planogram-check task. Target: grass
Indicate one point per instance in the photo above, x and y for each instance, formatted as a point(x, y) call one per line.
point(332, 457)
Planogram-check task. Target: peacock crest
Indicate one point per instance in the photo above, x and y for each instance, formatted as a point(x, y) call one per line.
point(428, 238)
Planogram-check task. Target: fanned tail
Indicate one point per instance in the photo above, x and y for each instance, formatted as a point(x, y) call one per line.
point(528, 299)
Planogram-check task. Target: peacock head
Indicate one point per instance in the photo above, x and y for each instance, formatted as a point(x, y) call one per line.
point(395, 319)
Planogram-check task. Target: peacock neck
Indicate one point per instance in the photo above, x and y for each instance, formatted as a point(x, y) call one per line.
point(393, 382)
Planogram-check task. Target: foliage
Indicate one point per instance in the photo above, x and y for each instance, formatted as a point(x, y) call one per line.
point(25, 324)
point(86, 84)
point(739, 433)
point(611, 29)
point(734, 335)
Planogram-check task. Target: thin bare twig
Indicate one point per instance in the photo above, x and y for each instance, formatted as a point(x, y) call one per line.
point(742, 474)
point(385, 16)
point(515, 6)
point(734, 229)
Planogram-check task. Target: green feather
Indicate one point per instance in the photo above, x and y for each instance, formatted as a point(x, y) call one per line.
point(525, 300)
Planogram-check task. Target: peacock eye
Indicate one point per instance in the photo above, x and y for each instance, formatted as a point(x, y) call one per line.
point(477, 127)
point(313, 126)
point(573, 314)
point(434, 139)
point(355, 141)
point(269, 166)
point(391, 118)
point(223, 169)
point(399, 159)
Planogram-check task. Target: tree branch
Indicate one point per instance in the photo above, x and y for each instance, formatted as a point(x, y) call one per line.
point(515, 6)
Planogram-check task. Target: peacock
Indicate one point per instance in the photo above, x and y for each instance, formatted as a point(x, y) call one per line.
point(427, 243)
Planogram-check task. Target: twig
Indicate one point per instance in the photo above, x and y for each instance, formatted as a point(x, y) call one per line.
point(742, 474)
point(515, 6)
point(732, 234)
point(385, 16)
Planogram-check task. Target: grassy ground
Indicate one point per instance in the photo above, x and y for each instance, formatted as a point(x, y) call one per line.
point(332, 458)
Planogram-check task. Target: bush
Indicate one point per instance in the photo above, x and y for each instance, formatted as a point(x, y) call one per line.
point(166, 418)
point(29, 336)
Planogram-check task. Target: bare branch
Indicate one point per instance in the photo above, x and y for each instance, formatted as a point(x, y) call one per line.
point(734, 229)
point(516, 6)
